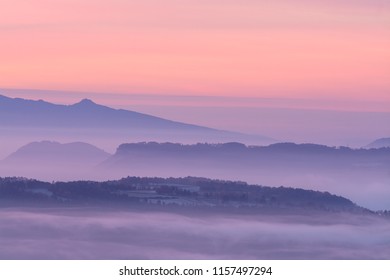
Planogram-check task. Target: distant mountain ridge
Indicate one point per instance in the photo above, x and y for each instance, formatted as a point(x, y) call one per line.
point(89, 117)
point(85, 112)
point(239, 152)
point(237, 158)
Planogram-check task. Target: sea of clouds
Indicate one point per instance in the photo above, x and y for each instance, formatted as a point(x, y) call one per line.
point(96, 234)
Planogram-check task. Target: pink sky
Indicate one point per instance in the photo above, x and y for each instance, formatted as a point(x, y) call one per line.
point(290, 48)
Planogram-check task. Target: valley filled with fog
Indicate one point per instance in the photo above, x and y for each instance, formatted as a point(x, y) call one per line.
point(31, 233)
point(187, 191)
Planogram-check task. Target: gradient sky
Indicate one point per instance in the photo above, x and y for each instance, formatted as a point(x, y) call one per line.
point(290, 48)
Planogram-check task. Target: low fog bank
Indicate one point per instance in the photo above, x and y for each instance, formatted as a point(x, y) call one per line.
point(94, 234)
point(361, 175)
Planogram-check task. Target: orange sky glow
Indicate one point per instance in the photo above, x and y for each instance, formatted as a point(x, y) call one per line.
point(291, 48)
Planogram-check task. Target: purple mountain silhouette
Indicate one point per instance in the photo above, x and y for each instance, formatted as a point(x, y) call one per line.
point(53, 161)
point(95, 121)
point(47, 152)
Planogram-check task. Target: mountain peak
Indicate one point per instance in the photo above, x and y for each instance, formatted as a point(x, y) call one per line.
point(85, 102)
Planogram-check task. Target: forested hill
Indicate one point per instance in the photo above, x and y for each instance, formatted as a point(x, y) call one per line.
point(178, 159)
point(167, 193)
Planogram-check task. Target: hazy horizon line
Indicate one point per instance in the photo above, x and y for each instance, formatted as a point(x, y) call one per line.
point(123, 100)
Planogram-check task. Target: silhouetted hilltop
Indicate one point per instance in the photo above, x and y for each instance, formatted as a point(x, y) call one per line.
point(379, 143)
point(50, 152)
point(53, 161)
